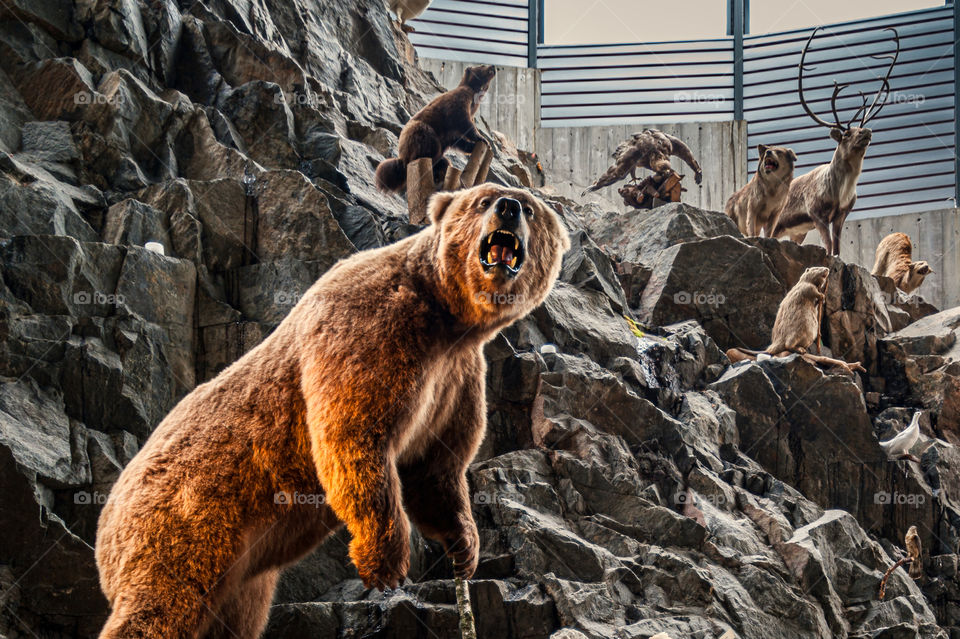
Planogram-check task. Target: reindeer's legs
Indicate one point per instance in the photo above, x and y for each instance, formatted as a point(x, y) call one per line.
point(837, 227)
point(824, 231)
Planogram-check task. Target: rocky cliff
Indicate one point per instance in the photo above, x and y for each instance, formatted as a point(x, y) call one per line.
point(632, 481)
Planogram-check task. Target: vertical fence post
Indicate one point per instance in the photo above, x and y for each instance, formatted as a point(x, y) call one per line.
point(735, 27)
point(956, 105)
point(533, 31)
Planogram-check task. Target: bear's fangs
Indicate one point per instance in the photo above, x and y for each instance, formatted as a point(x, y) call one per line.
point(502, 248)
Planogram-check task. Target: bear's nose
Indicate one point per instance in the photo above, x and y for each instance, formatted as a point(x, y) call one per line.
point(508, 210)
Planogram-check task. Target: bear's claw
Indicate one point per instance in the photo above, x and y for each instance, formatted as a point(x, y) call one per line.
point(464, 550)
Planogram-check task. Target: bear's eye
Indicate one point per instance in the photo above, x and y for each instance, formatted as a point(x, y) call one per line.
point(484, 203)
point(528, 210)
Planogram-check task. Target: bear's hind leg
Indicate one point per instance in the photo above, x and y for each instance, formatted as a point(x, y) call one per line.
point(244, 615)
point(150, 615)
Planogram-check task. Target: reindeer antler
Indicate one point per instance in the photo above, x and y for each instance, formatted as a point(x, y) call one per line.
point(837, 88)
point(880, 99)
point(863, 112)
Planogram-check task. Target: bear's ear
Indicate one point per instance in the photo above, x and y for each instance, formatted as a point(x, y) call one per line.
point(761, 149)
point(793, 155)
point(438, 206)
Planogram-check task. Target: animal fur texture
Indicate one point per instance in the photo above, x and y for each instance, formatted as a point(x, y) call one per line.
point(756, 207)
point(648, 149)
point(894, 260)
point(447, 121)
point(363, 407)
point(407, 9)
point(824, 197)
point(915, 551)
point(797, 324)
point(795, 327)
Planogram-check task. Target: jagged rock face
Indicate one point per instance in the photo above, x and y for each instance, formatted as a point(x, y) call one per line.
point(628, 484)
point(682, 262)
point(921, 364)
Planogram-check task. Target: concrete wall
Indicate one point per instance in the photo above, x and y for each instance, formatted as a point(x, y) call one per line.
point(936, 239)
point(574, 156)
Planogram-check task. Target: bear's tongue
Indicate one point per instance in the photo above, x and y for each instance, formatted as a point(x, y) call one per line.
point(500, 254)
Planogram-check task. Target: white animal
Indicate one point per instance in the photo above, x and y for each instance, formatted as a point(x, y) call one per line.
point(407, 10)
point(900, 445)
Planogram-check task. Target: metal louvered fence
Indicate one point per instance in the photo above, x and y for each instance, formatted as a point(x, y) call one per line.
point(488, 31)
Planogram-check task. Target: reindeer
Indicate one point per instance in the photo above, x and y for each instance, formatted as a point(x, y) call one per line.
point(823, 198)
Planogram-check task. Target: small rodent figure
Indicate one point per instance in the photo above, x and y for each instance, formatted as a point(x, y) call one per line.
point(797, 324)
point(895, 260)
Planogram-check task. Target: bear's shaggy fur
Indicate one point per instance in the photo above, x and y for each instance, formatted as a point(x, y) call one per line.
point(756, 207)
point(447, 121)
point(363, 407)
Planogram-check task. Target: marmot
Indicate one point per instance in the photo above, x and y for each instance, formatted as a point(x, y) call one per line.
point(756, 207)
point(447, 121)
point(649, 149)
point(798, 318)
point(894, 255)
point(363, 407)
point(915, 551)
point(797, 323)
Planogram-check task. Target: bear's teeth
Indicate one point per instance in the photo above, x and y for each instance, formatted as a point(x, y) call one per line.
point(516, 243)
point(513, 263)
point(490, 258)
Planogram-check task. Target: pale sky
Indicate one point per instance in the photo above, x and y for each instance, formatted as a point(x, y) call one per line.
point(604, 21)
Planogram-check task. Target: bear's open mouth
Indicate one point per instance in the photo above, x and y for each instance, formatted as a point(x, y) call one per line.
point(770, 165)
point(502, 248)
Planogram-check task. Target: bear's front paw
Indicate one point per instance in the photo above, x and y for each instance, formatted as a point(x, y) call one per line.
point(382, 562)
point(464, 549)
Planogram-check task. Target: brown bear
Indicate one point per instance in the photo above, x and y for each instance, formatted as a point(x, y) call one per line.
point(363, 407)
point(447, 121)
point(756, 207)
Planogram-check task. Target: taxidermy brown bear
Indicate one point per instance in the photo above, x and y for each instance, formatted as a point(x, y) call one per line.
point(364, 407)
